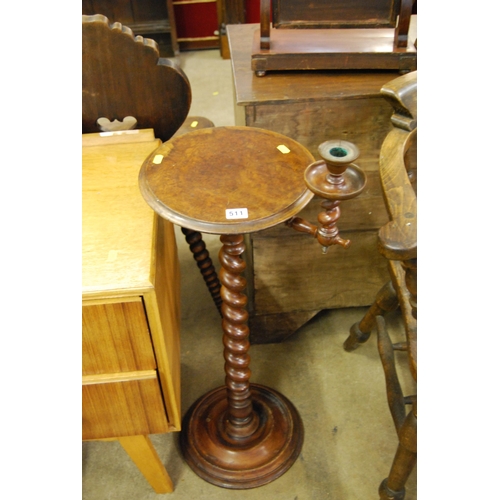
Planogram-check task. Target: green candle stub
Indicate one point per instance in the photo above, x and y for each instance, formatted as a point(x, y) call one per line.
point(338, 152)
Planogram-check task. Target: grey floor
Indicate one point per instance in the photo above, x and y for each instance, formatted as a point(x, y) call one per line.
point(350, 438)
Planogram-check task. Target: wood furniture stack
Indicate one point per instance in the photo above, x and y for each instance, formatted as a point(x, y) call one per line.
point(311, 107)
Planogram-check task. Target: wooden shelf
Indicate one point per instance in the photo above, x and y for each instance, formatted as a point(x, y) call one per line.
point(197, 23)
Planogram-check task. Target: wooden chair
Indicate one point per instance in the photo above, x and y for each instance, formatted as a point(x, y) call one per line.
point(398, 243)
point(125, 84)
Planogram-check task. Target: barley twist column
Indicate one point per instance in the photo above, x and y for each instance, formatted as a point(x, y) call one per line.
point(241, 421)
point(204, 263)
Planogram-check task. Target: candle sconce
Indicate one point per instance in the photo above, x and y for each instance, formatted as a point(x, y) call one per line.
point(334, 178)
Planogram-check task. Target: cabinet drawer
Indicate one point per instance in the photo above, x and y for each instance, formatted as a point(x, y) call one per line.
point(116, 338)
point(126, 408)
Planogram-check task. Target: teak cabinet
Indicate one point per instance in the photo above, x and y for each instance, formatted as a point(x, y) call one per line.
point(130, 304)
point(126, 392)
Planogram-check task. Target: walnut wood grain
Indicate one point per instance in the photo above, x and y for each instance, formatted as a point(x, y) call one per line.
point(272, 190)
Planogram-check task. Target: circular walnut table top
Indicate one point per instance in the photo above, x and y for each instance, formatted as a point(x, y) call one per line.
point(227, 180)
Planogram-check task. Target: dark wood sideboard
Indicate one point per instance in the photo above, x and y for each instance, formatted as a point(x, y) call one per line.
point(289, 279)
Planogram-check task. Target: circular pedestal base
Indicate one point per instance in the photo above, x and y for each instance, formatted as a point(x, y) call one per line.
point(242, 463)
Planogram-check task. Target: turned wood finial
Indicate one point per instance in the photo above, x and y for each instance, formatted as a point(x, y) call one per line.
point(333, 178)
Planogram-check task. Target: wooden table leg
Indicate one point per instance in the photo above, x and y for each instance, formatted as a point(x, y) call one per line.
point(142, 452)
point(204, 262)
point(241, 435)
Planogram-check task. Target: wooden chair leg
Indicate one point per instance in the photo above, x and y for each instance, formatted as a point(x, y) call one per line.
point(204, 262)
point(395, 396)
point(393, 487)
point(385, 301)
point(142, 452)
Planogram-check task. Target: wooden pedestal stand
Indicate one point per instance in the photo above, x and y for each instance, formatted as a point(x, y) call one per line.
point(231, 181)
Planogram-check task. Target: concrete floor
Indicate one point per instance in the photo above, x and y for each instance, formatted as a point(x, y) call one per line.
point(350, 438)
